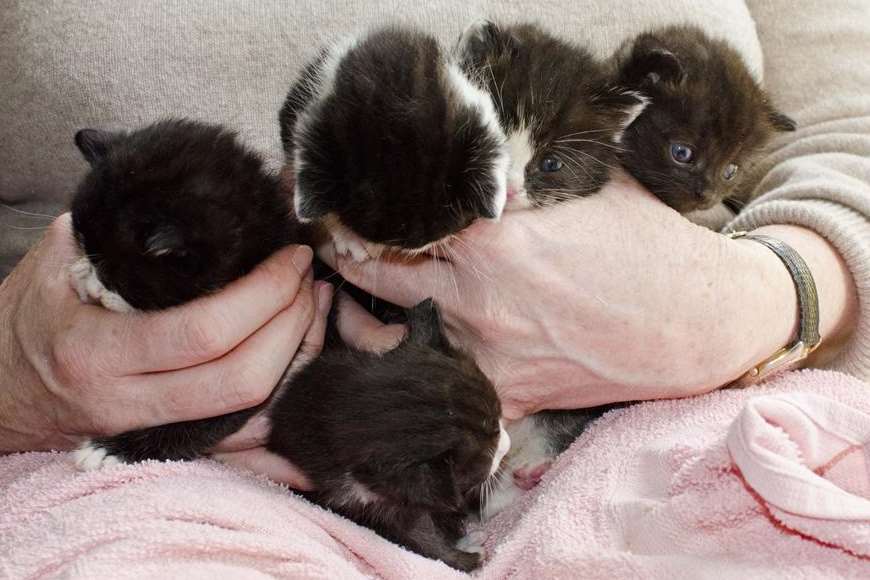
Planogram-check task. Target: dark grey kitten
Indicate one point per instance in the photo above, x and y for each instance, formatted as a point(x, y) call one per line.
point(563, 116)
point(708, 117)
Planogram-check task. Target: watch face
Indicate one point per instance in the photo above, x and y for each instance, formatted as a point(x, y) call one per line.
point(784, 359)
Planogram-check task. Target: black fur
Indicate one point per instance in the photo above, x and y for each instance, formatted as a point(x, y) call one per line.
point(179, 209)
point(703, 96)
point(416, 427)
point(559, 93)
point(176, 210)
point(388, 147)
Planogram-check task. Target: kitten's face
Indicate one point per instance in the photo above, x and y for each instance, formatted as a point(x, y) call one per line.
point(447, 412)
point(385, 137)
point(563, 119)
point(706, 119)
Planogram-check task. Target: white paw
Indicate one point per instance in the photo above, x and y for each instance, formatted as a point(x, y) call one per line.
point(350, 245)
point(84, 279)
point(90, 457)
point(473, 543)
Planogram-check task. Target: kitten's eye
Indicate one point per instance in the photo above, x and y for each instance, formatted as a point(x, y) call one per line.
point(550, 164)
point(730, 171)
point(682, 153)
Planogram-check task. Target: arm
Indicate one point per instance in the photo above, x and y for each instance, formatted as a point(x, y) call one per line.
point(813, 188)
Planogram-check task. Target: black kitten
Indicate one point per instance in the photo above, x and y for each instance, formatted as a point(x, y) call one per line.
point(707, 117)
point(171, 212)
point(397, 442)
point(562, 115)
point(388, 141)
point(166, 214)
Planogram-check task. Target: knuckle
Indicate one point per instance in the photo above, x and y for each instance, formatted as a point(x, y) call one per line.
point(203, 337)
point(69, 361)
point(245, 386)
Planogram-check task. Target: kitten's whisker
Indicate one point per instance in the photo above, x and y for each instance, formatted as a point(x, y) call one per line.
point(14, 227)
point(30, 214)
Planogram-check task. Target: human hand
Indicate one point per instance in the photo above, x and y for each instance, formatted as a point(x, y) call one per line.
point(72, 370)
point(613, 297)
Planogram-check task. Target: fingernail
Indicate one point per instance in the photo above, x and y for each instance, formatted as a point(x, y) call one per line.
point(301, 258)
point(324, 297)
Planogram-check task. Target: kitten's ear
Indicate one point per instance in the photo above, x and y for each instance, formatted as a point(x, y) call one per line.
point(479, 41)
point(424, 325)
point(651, 65)
point(781, 122)
point(166, 240)
point(621, 107)
point(93, 144)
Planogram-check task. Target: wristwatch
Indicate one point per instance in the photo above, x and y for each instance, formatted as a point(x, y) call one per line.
point(808, 313)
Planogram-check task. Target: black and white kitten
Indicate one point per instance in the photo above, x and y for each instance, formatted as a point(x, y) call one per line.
point(707, 116)
point(171, 212)
point(563, 116)
point(389, 144)
point(396, 441)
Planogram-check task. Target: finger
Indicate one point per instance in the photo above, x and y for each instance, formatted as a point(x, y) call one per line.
point(405, 282)
point(204, 329)
point(312, 343)
point(241, 379)
point(363, 331)
point(273, 466)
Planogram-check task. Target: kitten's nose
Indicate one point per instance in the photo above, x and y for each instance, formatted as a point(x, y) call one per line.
point(700, 188)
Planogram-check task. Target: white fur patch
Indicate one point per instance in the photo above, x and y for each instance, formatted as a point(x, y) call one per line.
point(504, 445)
point(633, 113)
point(87, 284)
point(473, 542)
point(528, 447)
point(348, 243)
point(90, 457)
point(521, 149)
point(479, 100)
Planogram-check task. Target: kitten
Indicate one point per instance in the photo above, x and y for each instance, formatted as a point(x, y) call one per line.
point(563, 117)
point(171, 212)
point(394, 441)
point(389, 144)
point(707, 116)
point(398, 442)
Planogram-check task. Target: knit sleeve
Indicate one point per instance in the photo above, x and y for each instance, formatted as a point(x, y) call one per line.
point(816, 70)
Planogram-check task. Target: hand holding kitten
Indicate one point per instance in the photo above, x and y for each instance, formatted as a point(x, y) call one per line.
point(81, 370)
point(610, 298)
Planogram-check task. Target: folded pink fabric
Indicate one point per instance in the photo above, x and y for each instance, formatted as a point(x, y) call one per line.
point(766, 482)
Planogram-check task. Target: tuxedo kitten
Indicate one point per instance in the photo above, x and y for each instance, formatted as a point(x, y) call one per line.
point(397, 442)
point(563, 117)
point(170, 212)
point(167, 214)
point(389, 144)
point(707, 116)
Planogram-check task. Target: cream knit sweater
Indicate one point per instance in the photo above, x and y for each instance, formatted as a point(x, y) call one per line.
point(66, 65)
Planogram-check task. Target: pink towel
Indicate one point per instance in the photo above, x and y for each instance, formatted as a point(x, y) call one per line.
point(767, 482)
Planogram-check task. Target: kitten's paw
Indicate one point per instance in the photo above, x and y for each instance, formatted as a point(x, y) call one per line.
point(79, 273)
point(528, 477)
point(91, 457)
point(351, 246)
point(473, 543)
point(84, 279)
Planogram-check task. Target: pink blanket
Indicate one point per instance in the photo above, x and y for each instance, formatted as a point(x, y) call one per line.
point(767, 482)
